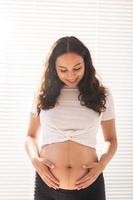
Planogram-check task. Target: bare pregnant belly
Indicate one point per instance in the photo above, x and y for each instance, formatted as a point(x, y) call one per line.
point(68, 158)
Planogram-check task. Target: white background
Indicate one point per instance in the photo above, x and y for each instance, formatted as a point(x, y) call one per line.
point(28, 28)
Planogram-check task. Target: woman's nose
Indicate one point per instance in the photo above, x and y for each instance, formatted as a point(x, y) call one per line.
point(71, 76)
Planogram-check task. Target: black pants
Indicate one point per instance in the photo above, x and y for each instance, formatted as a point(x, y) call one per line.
point(96, 191)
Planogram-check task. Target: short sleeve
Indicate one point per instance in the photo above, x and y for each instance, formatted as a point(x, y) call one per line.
point(34, 102)
point(109, 113)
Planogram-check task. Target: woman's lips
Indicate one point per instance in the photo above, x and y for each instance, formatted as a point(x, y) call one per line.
point(72, 81)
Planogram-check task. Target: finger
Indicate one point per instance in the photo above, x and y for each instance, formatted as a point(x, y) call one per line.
point(91, 165)
point(57, 184)
point(85, 184)
point(82, 187)
point(46, 176)
point(47, 181)
point(50, 174)
point(86, 177)
point(52, 177)
point(81, 184)
point(50, 183)
point(93, 177)
point(48, 163)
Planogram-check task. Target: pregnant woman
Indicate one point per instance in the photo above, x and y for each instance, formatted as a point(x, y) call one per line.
point(69, 105)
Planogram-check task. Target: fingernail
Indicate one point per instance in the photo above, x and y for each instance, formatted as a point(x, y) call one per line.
point(52, 166)
point(84, 166)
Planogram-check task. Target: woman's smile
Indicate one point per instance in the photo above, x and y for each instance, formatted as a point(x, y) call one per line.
point(72, 81)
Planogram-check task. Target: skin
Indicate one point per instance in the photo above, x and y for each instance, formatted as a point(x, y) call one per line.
point(70, 67)
point(69, 157)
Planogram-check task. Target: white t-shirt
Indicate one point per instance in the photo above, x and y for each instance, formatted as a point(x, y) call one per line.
point(69, 120)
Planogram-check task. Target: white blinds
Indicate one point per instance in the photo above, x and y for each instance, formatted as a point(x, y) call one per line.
point(27, 31)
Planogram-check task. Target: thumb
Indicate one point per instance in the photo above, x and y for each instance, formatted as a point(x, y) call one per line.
point(48, 163)
point(91, 165)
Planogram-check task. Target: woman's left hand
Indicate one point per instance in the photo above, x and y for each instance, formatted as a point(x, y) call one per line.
point(95, 170)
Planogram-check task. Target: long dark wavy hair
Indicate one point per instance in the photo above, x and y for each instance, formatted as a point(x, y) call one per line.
point(92, 93)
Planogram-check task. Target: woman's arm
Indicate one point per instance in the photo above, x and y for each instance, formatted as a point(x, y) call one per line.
point(110, 145)
point(109, 132)
point(31, 140)
point(41, 165)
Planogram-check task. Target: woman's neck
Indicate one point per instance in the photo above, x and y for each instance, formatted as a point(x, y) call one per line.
point(65, 86)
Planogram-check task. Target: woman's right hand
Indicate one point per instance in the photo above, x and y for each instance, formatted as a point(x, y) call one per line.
point(42, 166)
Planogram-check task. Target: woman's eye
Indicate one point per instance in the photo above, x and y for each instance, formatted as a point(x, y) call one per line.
point(66, 70)
point(63, 70)
point(77, 69)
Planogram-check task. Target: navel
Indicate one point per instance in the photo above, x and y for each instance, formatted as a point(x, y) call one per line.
point(69, 166)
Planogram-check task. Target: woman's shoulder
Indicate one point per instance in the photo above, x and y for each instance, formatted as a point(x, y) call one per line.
point(108, 89)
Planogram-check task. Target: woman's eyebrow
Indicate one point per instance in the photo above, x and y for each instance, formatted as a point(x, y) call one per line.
point(73, 66)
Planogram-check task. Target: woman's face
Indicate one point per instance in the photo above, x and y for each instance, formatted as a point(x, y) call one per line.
point(70, 68)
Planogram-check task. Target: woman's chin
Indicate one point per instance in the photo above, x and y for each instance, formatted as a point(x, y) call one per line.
point(71, 84)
